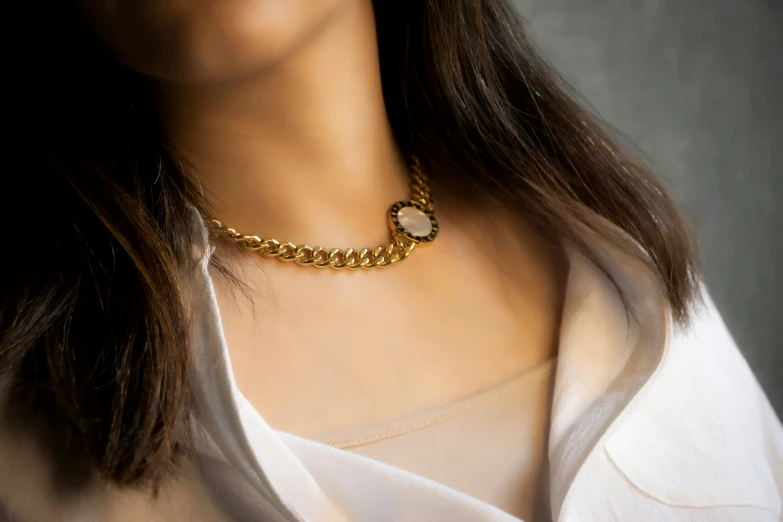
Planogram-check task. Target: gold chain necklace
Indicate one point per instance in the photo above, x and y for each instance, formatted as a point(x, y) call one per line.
point(412, 223)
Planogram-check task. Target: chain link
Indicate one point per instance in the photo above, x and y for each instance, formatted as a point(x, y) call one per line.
point(394, 252)
point(420, 189)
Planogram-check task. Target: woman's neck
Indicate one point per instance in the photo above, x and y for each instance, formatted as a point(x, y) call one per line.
point(301, 151)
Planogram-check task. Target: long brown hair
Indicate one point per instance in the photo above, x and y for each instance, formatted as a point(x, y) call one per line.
point(93, 327)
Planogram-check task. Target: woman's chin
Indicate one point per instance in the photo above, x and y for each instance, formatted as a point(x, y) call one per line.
point(206, 41)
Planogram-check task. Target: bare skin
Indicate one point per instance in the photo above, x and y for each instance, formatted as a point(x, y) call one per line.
point(353, 352)
point(302, 152)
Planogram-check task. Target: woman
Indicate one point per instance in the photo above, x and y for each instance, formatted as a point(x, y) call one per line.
point(530, 341)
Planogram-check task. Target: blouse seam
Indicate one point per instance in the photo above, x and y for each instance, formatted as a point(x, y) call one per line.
point(424, 419)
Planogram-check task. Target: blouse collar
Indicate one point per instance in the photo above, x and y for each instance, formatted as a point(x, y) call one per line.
point(608, 352)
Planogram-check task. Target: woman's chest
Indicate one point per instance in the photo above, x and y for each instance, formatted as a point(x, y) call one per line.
point(313, 366)
point(319, 351)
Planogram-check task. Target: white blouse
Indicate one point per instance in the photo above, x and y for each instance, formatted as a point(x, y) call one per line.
point(648, 423)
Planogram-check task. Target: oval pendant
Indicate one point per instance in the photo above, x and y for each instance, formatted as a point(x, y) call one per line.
point(413, 221)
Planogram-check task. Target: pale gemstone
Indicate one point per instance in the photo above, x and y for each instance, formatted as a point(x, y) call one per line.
point(414, 221)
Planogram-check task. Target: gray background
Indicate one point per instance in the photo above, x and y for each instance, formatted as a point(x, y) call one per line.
point(697, 86)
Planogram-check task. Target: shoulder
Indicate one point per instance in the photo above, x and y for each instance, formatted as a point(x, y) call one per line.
point(706, 377)
point(702, 434)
